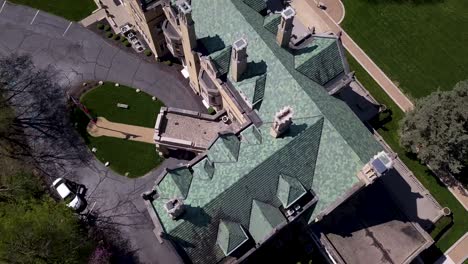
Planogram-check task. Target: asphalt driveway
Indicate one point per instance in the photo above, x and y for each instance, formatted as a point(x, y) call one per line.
point(78, 54)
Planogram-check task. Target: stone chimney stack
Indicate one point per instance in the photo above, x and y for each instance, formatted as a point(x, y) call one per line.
point(189, 44)
point(282, 121)
point(185, 11)
point(238, 59)
point(285, 27)
point(174, 207)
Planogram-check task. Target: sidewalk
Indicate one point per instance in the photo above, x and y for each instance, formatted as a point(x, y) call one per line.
point(308, 12)
point(457, 253)
point(103, 127)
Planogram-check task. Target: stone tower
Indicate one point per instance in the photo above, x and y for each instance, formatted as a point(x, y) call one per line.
point(238, 59)
point(285, 27)
point(189, 43)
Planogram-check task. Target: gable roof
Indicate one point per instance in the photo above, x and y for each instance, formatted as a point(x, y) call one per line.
point(222, 60)
point(230, 236)
point(290, 190)
point(264, 218)
point(320, 61)
point(225, 148)
point(176, 183)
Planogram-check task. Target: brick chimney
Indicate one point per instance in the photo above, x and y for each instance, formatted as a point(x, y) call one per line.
point(238, 59)
point(282, 121)
point(285, 27)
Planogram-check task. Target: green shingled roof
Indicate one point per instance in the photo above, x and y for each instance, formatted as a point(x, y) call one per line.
point(253, 88)
point(324, 149)
point(252, 135)
point(222, 60)
point(264, 218)
point(176, 183)
point(272, 22)
point(257, 5)
point(204, 169)
point(230, 236)
point(225, 148)
point(290, 190)
point(320, 61)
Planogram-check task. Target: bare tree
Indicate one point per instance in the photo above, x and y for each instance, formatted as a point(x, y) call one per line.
point(34, 116)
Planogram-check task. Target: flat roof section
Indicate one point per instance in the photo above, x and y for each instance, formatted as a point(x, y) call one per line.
point(200, 131)
point(369, 228)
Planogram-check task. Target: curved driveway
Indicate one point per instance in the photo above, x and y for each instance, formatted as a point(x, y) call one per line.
point(79, 55)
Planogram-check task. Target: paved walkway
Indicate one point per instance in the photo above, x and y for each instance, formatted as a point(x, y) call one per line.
point(94, 17)
point(311, 15)
point(104, 127)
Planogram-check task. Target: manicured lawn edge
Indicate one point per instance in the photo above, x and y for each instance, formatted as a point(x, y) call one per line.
point(74, 10)
point(387, 126)
point(136, 158)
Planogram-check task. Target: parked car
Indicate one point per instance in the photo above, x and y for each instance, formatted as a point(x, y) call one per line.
point(69, 192)
point(131, 35)
point(134, 40)
point(139, 47)
point(125, 28)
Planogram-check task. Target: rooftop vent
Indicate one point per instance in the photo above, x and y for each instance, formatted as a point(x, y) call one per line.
point(282, 121)
point(184, 7)
point(174, 207)
point(288, 13)
point(376, 167)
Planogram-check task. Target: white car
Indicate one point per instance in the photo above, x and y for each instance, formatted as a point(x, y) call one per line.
point(66, 192)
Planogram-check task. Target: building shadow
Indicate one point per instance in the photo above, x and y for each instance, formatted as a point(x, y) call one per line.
point(254, 69)
point(210, 44)
point(362, 105)
point(196, 216)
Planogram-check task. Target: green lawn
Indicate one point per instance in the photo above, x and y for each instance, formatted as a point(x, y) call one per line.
point(420, 46)
point(387, 126)
point(124, 156)
point(74, 10)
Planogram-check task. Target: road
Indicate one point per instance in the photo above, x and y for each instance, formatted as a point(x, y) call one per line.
point(310, 15)
point(79, 55)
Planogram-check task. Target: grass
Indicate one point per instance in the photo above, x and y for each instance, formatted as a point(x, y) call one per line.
point(387, 126)
point(74, 10)
point(418, 43)
point(124, 156)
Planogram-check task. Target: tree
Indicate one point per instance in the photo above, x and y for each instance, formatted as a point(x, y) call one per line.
point(437, 130)
point(41, 231)
point(34, 119)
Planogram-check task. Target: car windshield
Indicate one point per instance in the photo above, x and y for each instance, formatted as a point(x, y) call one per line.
point(69, 198)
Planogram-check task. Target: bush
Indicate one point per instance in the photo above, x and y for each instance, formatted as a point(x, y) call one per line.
point(109, 34)
point(148, 52)
point(116, 37)
point(126, 43)
point(107, 28)
point(100, 26)
point(168, 62)
point(211, 110)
